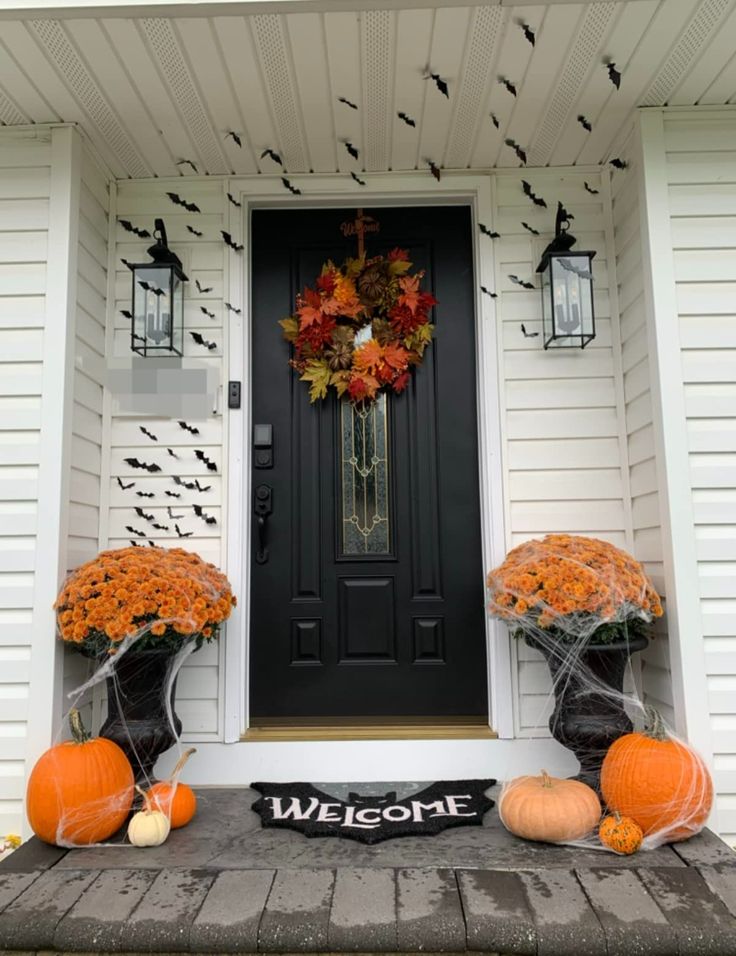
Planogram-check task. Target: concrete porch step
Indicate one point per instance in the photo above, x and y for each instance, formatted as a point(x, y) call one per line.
point(604, 911)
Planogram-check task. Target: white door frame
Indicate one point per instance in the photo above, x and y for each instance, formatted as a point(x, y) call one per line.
point(390, 190)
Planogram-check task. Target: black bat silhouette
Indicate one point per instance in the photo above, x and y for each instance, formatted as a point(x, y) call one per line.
point(613, 74)
point(152, 544)
point(231, 308)
point(527, 31)
point(488, 292)
point(145, 494)
point(350, 148)
point(288, 185)
point(194, 232)
point(618, 163)
point(582, 273)
point(135, 463)
point(189, 485)
point(142, 514)
point(235, 137)
point(183, 534)
point(589, 189)
point(133, 543)
point(172, 494)
point(122, 486)
point(172, 453)
point(210, 315)
point(439, 83)
point(434, 169)
point(528, 191)
point(528, 335)
point(233, 200)
point(495, 120)
point(129, 227)
point(521, 153)
point(488, 232)
point(178, 201)
point(523, 283)
point(584, 123)
point(229, 241)
point(203, 290)
point(564, 213)
point(128, 315)
point(341, 99)
point(272, 154)
point(351, 817)
point(508, 84)
point(187, 162)
point(202, 488)
point(159, 527)
point(141, 534)
point(209, 519)
point(189, 428)
point(150, 288)
point(207, 461)
point(531, 229)
point(358, 180)
point(147, 433)
point(407, 119)
point(202, 341)
point(172, 515)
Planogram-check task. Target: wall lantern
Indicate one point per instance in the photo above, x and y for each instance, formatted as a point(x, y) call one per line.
point(568, 319)
point(157, 315)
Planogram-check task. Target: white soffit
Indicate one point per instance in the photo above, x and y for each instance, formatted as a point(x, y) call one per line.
point(152, 91)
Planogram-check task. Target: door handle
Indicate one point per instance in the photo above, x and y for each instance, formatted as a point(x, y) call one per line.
point(263, 508)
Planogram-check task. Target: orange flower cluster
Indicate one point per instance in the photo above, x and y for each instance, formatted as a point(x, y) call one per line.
point(569, 576)
point(169, 595)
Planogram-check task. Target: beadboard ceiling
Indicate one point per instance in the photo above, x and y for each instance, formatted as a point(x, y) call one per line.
point(153, 91)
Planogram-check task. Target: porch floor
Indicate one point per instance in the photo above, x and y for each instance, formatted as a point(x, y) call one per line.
point(225, 885)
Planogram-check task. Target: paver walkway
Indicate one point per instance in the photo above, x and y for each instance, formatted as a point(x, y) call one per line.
point(224, 885)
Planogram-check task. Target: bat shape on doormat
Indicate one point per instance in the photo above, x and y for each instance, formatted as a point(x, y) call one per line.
point(373, 818)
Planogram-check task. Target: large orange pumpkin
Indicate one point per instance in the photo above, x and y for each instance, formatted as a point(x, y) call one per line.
point(80, 791)
point(658, 781)
point(175, 799)
point(548, 808)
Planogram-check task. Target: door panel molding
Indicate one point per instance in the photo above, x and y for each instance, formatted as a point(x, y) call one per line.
point(395, 190)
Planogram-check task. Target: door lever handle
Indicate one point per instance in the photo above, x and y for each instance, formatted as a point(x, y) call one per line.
point(263, 508)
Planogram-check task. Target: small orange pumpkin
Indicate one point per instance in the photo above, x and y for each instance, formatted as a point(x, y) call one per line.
point(175, 799)
point(620, 834)
point(81, 790)
point(548, 808)
point(660, 782)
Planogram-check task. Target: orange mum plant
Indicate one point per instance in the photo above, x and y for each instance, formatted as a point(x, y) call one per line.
point(572, 587)
point(165, 596)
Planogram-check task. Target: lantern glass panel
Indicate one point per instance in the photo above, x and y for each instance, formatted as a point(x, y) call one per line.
point(157, 309)
point(571, 299)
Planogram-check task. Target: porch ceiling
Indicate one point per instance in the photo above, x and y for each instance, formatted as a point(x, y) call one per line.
point(153, 91)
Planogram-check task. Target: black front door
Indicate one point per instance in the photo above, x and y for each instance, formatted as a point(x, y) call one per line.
point(370, 602)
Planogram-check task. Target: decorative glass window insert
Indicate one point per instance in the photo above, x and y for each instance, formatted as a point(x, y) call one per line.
point(364, 476)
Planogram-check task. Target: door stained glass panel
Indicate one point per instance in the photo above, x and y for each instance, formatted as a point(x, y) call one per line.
point(364, 476)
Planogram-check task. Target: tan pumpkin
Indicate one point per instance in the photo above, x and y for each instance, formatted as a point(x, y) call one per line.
point(548, 809)
point(620, 834)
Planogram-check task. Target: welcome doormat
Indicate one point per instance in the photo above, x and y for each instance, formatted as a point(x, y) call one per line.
point(372, 819)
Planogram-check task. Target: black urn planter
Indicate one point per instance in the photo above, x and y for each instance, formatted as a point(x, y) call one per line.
point(136, 709)
point(588, 683)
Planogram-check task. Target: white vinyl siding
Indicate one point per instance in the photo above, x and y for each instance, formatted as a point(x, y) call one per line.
point(161, 499)
point(561, 423)
point(656, 679)
point(701, 173)
point(25, 161)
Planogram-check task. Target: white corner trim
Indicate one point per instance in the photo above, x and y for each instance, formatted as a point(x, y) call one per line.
point(689, 682)
point(55, 438)
point(391, 189)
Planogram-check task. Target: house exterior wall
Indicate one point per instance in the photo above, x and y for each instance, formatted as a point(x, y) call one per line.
point(700, 163)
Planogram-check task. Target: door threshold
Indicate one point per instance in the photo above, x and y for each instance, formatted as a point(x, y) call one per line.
point(368, 728)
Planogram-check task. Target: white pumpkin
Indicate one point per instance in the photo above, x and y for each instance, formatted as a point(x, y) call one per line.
point(148, 827)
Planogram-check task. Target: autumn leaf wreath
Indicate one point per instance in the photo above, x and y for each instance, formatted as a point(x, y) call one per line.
point(362, 328)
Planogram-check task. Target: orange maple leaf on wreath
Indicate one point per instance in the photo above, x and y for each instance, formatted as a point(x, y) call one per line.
point(310, 308)
point(396, 356)
point(411, 293)
point(368, 357)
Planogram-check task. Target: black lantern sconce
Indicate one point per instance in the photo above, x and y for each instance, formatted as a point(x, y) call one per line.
point(568, 318)
point(157, 324)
